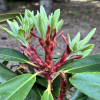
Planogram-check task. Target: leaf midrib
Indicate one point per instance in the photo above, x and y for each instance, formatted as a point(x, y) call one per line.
point(86, 82)
point(82, 66)
point(14, 57)
point(21, 86)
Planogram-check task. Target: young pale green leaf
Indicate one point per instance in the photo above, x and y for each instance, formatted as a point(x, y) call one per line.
point(52, 24)
point(7, 31)
point(11, 24)
point(41, 27)
point(56, 16)
point(8, 16)
point(47, 95)
point(85, 53)
point(5, 73)
point(16, 86)
point(88, 83)
point(86, 39)
point(21, 35)
point(19, 20)
point(75, 41)
point(59, 24)
point(13, 55)
point(69, 41)
point(44, 18)
point(87, 64)
point(86, 47)
point(43, 12)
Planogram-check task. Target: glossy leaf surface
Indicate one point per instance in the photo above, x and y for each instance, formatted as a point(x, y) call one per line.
point(36, 92)
point(12, 55)
point(5, 73)
point(11, 89)
point(87, 64)
point(88, 83)
point(41, 80)
point(47, 95)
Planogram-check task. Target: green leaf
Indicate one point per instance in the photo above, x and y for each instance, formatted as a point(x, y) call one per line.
point(31, 69)
point(10, 74)
point(30, 95)
point(75, 41)
point(47, 95)
point(44, 19)
point(41, 27)
point(13, 55)
point(88, 83)
point(39, 88)
point(5, 62)
point(36, 92)
point(13, 27)
point(85, 53)
point(5, 73)
point(42, 81)
point(87, 64)
point(56, 86)
point(18, 87)
point(86, 47)
point(52, 23)
point(87, 38)
point(56, 16)
point(59, 24)
point(8, 16)
point(78, 96)
point(19, 20)
point(7, 31)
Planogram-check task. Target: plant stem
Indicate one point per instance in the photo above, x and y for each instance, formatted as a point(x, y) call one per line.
point(48, 78)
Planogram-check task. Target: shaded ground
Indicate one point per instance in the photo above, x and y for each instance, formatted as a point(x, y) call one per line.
point(78, 17)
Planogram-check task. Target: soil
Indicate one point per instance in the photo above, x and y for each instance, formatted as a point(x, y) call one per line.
point(78, 17)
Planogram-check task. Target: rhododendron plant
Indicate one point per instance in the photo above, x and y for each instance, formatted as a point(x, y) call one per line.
point(49, 78)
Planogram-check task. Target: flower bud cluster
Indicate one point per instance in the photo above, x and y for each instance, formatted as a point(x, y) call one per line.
point(48, 45)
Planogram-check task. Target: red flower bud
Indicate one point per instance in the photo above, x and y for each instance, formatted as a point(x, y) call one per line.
point(52, 45)
point(48, 30)
point(41, 42)
point(34, 35)
point(76, 57)
point(47, 41)
point(32, 29)
point(47, 50)
point(53, 33)
point(64, 38)
point(59, 34)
